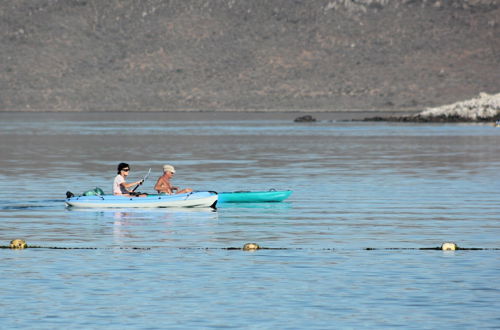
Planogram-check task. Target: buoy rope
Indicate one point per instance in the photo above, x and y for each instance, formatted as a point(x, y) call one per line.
point(432, 248)
point(244, 248)
point(74, 248)
point(20, 244)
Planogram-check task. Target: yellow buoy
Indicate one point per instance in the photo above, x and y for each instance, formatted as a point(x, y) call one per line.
point(251, 247)
point(449, 246)
point(18, 244)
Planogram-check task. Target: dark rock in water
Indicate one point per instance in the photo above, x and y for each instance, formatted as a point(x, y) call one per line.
point(305, 119)
point(378, 118)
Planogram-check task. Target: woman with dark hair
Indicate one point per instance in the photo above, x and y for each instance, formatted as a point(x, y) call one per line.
point(120, 186)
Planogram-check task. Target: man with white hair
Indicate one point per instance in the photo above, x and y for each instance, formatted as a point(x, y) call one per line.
point(163, 184)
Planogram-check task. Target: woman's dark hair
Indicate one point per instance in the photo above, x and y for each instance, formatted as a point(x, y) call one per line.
point(121, 166)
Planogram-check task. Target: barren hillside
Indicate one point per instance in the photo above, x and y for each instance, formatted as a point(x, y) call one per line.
point(92, 55)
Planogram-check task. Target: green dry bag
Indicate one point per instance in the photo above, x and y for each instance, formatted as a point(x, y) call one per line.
point(94, 192)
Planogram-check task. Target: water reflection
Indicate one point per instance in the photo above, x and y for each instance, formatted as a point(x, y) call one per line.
point(269, 206)
point(30, 204)
point(147, 213)
point(146, 227)
point(158, 225)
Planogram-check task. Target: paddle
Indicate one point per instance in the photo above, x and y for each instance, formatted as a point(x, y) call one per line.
point(142, 181)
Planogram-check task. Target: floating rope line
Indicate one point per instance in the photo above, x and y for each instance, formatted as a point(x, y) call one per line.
point(74, 248)
point(433, 248)
point(19, 244)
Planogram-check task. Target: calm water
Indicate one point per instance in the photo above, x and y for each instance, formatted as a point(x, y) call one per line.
point(356, 185)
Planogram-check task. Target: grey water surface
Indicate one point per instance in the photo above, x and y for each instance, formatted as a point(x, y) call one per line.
point(391, 187)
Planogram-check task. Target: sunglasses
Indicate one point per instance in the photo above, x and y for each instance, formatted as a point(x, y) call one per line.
point(126, 169)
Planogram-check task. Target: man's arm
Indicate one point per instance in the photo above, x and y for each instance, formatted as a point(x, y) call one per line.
point(163, 186)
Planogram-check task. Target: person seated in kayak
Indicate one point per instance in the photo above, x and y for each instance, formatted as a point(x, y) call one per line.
point(163, 184)
point(120, 186)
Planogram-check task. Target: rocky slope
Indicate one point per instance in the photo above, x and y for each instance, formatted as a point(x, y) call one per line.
point(484, 107)
point(127, 55)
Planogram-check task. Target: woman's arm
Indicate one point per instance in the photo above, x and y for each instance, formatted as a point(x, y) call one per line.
point(128, 185)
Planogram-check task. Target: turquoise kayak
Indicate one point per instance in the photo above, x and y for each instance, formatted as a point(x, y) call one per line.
point(254, 196)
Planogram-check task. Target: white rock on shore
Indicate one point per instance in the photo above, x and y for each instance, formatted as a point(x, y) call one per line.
point(485, 106)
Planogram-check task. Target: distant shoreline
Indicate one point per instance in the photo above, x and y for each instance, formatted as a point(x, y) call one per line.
point(344, 115)
point(221, 110)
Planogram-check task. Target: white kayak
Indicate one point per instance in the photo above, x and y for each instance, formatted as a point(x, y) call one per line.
point(193, 199)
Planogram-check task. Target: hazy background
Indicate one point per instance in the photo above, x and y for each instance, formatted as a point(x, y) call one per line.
point(91, 55)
